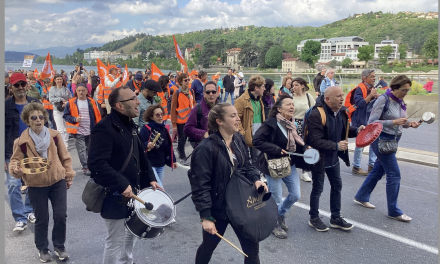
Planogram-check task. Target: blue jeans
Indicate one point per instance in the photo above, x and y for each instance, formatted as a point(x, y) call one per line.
point(226, 97)
point(19, 210)
point(385, 164)
point(159, 172)
point(358, 157)
point(293, 186)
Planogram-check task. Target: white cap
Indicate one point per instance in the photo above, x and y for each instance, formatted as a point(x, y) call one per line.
point(241, 74)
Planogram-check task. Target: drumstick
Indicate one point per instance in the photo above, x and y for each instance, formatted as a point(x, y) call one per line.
point(148, 206)
point(155, 139)
point(227, 241)
point(348, 127)
point(413, 113)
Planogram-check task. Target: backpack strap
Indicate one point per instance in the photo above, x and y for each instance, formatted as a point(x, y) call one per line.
point(386, 107)
point(199, 115)
point(308, 99)
point(23, 148)
point(323, 116)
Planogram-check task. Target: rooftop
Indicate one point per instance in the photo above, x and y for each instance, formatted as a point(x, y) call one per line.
point(233, 49)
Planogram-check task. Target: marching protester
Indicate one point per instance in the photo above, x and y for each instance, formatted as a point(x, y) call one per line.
point(22, 212)
point(48, 105)
point(326, 132)
point(210, 176)
point(192, 76)
point(33, 90)
point(219, 80)
point(363, 98)
point(147, 97)
point(328, 81)
point(109, 150)
point(277, 136)
point(181, 104)
point(196, 127)
point(112, 80)
point(197, 85)
point(160, 153)
point(39, 141)
point(390, 110)
point(318, 80)
point(77, 79)
point(250, 110)
point(302, 102)
point(136, 84)
point(240, 84)
point(228, 83)
point(95, 82)
point(34, 83)
point(216, 78)
point(286, 86)
point(165, 96)
point(81, 114)
point(58, 96)
point(268, 97)
point(8, 91)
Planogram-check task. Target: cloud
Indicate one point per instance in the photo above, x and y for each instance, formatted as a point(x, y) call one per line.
point(14, 28)
point(143, 7)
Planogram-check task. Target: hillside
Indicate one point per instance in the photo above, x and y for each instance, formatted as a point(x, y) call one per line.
point(61, 51)
point(129, 47)
point(17, 56)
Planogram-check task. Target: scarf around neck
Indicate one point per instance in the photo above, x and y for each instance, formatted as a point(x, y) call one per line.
point(41, 141)
point(292, 134)
point(400, 101)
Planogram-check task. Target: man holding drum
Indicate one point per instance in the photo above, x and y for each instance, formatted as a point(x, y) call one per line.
point(114, 145)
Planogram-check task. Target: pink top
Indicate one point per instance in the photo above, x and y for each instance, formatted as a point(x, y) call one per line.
point(428, 86)
point(89, 88)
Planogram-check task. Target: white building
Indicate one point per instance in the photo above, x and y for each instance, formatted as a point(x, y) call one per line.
point(335, 45)
point(294, 65)
point(352, 53)
point(338, 56)
point(393, 56)
point(93, 55)
point(232, 57)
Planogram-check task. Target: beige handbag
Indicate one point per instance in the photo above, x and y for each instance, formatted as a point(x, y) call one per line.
point(279, 168)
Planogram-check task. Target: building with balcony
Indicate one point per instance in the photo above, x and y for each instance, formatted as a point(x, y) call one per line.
point(393, 56)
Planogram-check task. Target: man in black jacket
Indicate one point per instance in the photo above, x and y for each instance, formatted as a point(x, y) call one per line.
point(14, 126)
point(330, 140)
point(228, 83)
point(318, 79)
point(110, 146)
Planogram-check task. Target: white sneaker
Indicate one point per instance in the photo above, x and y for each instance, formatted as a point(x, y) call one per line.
point(305, 177)
point(31, 218)
point(20, 226)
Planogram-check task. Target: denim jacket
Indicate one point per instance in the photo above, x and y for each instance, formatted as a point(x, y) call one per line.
point(326, 83)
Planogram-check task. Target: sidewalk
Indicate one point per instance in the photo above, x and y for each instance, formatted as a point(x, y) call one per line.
point(409, 155)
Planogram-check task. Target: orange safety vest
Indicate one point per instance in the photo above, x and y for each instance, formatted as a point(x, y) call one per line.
point(73, 128)
point(184, 106)
point(164, 104)
point(105, 91)
point(136, 85)
point(351, 107)
point(47, 105)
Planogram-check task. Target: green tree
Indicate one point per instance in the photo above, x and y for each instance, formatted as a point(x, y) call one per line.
point(402, 51)
point(346, 62)
point(431, 47)
point(274, 56)
point(262, 54)
point(384, 53)
point(190, 64)
point(334, 63)
point(310, 52)
point(213, 59)
point(248, 54)
point(365, 53)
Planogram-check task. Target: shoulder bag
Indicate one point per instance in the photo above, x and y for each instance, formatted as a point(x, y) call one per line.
point(387, 146)
point(279, 168)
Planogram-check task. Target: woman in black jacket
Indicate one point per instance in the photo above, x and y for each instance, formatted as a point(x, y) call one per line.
point(160, 153)
point(276, 137)
point(213, 164)
point(268, 97)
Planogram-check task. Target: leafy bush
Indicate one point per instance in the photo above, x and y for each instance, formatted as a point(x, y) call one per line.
point(348, 87)
point(417, 89)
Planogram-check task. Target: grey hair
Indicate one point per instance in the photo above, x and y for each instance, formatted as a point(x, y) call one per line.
point(208, 83)
point(328, 71)
point(366, 72)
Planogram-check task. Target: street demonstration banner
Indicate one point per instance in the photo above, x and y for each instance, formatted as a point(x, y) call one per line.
point(28, 59)
point(47, 71)
point(155, 72)
point(179, 56)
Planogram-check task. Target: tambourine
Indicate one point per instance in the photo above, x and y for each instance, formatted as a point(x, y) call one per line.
point(37, 160)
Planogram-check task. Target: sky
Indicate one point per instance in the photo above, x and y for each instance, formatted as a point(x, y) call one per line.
point(35, 24)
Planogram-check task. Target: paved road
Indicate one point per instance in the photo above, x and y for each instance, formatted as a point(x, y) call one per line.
point(375, 238)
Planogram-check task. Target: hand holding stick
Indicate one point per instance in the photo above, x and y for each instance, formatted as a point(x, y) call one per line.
point(155, 139)
point(148, 206)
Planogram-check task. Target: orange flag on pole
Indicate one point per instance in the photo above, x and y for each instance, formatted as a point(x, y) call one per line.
point(102, 70)
point(125, 78)
point(179, 55)
point(47, 71)
point(155, 72)
point(36, 73)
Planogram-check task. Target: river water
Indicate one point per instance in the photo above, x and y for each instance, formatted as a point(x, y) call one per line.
point(277, 78)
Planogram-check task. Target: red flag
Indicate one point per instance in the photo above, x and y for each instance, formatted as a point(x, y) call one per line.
point(179, 55)
point(102, 70)
point(36, 73)
point(126, 77)
point(155, 72)
point(47, 71)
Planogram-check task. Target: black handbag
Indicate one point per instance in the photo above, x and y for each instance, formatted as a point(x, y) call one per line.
point(94, 194)
point(59, 106)
point(387, 146)
point(252, 213)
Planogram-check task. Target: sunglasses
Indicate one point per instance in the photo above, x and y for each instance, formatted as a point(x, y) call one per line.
point(158, 115)
point(34, 118)
point(22, 84)
point(133, 98)
point(186, 80)
point(210, 92)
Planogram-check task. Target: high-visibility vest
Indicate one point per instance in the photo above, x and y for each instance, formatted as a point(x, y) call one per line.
point(351, 107)
point(136, 86)
point(184, 106)
point(47, 105)
point(73, 128)
point(164, 104)
point(105, 91)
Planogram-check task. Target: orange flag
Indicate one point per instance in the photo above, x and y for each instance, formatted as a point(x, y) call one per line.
point(179, 55)
point(47, 71)
point(155, 72)
point(102, 70)
point(36, 73)
point(125, 78)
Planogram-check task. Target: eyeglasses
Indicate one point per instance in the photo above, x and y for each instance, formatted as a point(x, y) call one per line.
point(158, 115)
point(22, 84)
point(133, 98)
point(186, 80)
point(34, 118)
point(405, 90)
point(210, 92)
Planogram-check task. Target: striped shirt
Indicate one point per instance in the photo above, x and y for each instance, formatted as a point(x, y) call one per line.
point(84, 123)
